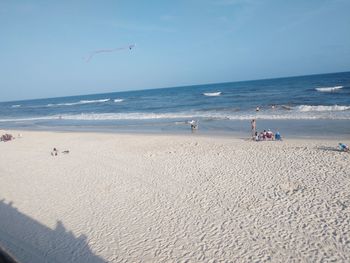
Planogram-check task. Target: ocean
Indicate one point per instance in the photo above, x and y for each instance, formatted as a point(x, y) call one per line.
point(314, 105)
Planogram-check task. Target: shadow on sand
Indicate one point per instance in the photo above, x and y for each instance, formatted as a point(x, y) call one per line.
point(29, 241)
point(329, 149)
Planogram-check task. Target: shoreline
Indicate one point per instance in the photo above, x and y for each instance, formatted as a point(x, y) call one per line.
point(188, 133)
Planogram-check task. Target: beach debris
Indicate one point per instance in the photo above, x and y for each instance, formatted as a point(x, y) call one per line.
point(65, 152)
point(93, 53)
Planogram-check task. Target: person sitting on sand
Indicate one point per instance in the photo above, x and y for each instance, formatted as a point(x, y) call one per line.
point(343, 147)
point(256, 137)
point(261, 136)
point(6, 137)
point(278, 136)
point(269, 135)
point(264, 135)
point(54, 152)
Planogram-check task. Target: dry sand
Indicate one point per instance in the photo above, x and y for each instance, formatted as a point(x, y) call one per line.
point(167, 198)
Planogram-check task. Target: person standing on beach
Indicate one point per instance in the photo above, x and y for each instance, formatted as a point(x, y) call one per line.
point(253, 122)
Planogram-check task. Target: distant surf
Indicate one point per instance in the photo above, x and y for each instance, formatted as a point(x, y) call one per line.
point(212, 94)
point(78, 102)
point(16, 106)
point(329, 89)
point(118, 100)
point(305, 108)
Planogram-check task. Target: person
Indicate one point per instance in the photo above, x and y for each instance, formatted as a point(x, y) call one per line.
point(261, 136)
point(253, 122)
point(257, 108)
point(54, 152)
point(343, 147)
point(257, 137)
point(264, 135)
point(269, 134)
point(278, 136)
point(194, 125)
point(6, 137)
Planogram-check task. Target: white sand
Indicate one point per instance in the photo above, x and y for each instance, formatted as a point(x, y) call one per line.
point(149, 198)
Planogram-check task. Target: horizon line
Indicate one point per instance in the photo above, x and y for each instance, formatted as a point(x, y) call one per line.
point(184, 86)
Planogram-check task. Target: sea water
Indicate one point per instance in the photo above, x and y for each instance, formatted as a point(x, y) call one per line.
point(315, 105)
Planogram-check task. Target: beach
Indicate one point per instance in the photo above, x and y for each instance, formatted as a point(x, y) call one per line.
point(173, 198)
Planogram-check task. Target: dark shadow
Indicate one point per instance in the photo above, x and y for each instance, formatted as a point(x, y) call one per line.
point(27, 240)
point(329, 149)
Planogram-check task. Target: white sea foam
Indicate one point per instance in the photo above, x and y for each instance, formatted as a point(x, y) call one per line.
point(212, 94)
point(306, 108)
point(118, 100)
point(304, 112)
point(16, 106)
point(79, 102)
point(329, 89)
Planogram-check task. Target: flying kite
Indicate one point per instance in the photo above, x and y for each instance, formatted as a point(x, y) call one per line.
point(93, 53)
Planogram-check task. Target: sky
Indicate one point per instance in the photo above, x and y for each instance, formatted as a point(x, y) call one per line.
point(185, 42)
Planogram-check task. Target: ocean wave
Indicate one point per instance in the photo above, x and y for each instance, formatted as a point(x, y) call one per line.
point(297, 114)
point(306, 108)
point(79, 102)
point(212, 94)
point(329, 89)
point(118, 100)
point(16, 106)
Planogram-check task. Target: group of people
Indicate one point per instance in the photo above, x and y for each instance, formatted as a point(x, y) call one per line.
point(264, 135)
point(267, 136)
point(7, 137)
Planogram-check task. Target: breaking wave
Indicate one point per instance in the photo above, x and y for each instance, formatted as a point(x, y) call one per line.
point(79, 102)
point(212, 94)
point(329, 89)
point(303, 112)
point(118, 100)
point(306, 108)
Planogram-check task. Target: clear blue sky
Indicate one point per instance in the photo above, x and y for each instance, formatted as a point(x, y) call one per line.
point(181, 42)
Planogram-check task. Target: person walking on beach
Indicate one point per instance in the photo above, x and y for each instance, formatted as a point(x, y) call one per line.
point(253, 122)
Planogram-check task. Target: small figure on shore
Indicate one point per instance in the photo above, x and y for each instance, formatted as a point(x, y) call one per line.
point(253, 123)
point(256, 137)
point(194, 125)
point(269, 135)
point(278, 136)
point(54, 152)
point(343, 147)
point(7, 137)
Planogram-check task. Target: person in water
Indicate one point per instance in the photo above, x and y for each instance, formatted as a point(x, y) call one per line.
point(257, 108)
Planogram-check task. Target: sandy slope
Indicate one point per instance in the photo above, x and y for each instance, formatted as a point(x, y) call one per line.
point(148, 198)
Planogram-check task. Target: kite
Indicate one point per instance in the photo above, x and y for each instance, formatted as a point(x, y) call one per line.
point(93, 53)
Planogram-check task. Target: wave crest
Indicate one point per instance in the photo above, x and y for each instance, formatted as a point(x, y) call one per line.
point(79, 102)
point(329, 89)
point(306, 108)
